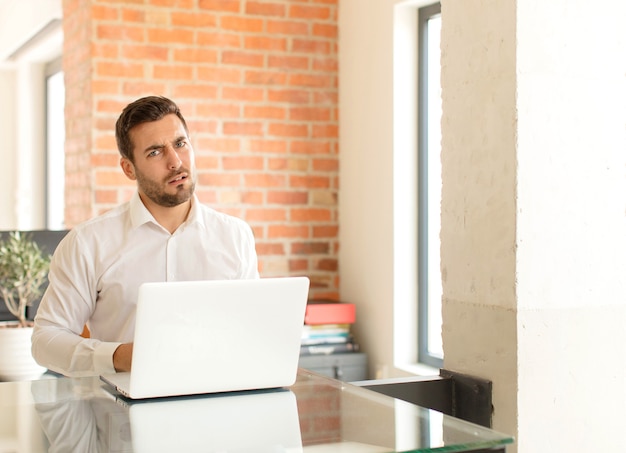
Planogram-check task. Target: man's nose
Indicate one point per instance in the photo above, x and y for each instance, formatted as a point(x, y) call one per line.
point(173, 159)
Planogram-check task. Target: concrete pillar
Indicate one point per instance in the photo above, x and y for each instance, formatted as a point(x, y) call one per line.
point(534, 214)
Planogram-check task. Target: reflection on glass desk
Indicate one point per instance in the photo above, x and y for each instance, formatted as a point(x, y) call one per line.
point(317, 414)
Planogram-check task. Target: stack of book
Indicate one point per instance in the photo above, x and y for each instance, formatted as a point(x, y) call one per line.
point(327, 327)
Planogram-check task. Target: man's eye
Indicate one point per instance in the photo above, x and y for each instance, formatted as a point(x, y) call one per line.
point(154, 152)
point(180, 144)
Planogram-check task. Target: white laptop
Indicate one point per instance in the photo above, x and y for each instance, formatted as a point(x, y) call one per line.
point(215, 336)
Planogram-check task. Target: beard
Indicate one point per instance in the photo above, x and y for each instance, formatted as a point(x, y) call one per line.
point(154, 190)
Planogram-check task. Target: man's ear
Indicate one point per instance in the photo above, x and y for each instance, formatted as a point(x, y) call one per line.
point(128, 168)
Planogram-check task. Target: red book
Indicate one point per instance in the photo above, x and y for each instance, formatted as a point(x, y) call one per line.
point(325, 312)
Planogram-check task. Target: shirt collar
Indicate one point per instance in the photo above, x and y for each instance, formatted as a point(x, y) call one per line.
point(139, 214)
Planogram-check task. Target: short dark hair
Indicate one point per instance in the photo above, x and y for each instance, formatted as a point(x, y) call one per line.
point(143, 110)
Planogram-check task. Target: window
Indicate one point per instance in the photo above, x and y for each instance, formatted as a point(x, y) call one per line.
point(55, 139)
point(430, 347)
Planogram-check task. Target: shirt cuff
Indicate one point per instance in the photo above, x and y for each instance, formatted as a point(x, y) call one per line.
point(103, 357)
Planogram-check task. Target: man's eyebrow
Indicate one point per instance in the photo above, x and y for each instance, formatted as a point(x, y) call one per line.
point(161, 146)
point(153, 147)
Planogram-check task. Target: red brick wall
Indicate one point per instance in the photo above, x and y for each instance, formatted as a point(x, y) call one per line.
point(257, 83)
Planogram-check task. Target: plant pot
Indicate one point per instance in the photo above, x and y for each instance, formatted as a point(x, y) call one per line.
point(16, 360)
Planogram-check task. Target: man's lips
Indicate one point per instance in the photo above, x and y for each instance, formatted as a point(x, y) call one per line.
point(178, 179)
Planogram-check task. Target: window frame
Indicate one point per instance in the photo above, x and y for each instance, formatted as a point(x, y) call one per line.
point(423, 235)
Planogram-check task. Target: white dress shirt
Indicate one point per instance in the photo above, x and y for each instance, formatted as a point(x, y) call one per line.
point(98, 267)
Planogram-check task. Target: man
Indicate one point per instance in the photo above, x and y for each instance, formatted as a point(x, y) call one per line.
point(162, 234)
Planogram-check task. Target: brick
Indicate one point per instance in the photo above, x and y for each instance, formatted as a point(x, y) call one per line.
point(104, 13)
point(108, 87)
point(120, 33)
point(287, 27)
point(331, 165)
point(106, 160)
point(327, 264)
point(258, 180)
point(219, 179)
point(105, 50)
point(220, 144)
point(232, 6)
point(212, 109)
point(309, 12)
point(287, 197)
point(323, 197)
point(253, 77)
point(266, 215)
point(241, 24)
point(291, 164)
point(182, 4)
point(243, 163)
point(169, 37)
point(288, 231)
point(242, 58)
point(131, 88)
point(310, 248)
point(311, 80)
point(268, 146)
point(310, 215)
point(195, 55)
point(194, 20)
point(252, 111)
point(269, 248)
point(172, 72)
point(289, 96)
point(106, 196)
point(328, 130)
point(288, 62)
point(119, 70)
point(261, 42)
point(265, 8)
point(133, 15)
point(229, 197)
point(325, 231)
point(311, 46)
point(144, 52)
point(242, 94)
point(110, 178)
point(311, 182)
point(310, 147)
point(253, 198)
point(204, 162)
point(196, 90)
point(221, 40)
point(288, 130)
point(242, 128)
point(301, 265)
point(326, 30)
point(325, 64)
point(219, 74)
point(309, 114)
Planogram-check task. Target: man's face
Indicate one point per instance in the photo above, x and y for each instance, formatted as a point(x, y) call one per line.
point(164, 164)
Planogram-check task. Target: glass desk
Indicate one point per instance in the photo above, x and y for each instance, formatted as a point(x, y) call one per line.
point(316, 415)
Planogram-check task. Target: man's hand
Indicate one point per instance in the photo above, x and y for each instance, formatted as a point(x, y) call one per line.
point(123, 356)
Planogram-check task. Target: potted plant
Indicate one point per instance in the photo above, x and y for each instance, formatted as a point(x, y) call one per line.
point(23, 270)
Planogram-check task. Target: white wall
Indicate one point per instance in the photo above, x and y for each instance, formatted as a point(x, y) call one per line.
point(22, 60)
point(8, 205)
point(374, 148)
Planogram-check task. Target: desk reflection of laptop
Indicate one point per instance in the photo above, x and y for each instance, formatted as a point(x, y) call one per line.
point(247, 422)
